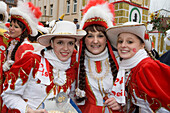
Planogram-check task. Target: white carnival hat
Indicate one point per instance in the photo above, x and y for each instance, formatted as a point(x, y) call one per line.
point(138, 29)
point(167, 38)
point(28, 14)
point(3, 11)
point(98, 12)
point(64, 29)
point(42, 29)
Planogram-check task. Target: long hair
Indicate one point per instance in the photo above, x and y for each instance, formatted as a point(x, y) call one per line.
point(82, 72)
point(22, 37)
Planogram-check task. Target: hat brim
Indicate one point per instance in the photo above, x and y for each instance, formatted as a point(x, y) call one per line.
point(45, 39)
point(114, 31)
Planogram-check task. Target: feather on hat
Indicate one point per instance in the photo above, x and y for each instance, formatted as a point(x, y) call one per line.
point(3, 11)
point(98, 12)
point(28, 14)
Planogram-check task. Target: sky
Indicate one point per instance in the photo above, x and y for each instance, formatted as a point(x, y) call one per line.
point(159, 4)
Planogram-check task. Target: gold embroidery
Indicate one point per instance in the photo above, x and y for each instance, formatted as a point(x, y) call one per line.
point(100, 78)
point(95, 77)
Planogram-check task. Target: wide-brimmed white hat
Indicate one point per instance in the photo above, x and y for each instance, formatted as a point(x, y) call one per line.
point(138, 29)
point(167, 38)
point(64, 29)
point(3, 11)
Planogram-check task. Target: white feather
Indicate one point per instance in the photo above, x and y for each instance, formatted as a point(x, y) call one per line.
point(101, 11)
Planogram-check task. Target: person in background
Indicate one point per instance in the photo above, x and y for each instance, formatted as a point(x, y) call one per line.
point(3, 16)
point(97, 62)
point(154, 52)
point(76, 22)
point(33, 40)
point(165, 58)
point(145, 80)
point(42, 76)
point(3, 42)
point(24, 22)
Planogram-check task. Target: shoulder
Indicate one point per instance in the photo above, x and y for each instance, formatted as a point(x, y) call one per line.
point(149, 67)
point(148, 63)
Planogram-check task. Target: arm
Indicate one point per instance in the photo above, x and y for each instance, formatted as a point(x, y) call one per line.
point(16, 83)
point(152, 81)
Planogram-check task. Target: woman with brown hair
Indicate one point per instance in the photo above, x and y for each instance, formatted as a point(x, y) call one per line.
point(24, 22)
point(97, 62)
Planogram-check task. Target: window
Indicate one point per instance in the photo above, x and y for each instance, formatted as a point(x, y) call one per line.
point(74, 6)
point(10, 6)
point(45, 10)
point(51, 9)
point(10, 1)
point(68, 6)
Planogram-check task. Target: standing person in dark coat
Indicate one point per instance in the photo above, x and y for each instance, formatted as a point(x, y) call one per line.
point(165, 58)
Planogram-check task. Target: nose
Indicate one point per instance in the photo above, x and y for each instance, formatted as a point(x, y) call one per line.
point(65, 47)
point(123, 44)
point(95, 39)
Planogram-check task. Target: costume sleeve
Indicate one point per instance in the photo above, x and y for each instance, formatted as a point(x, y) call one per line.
point(23, 49)
point(153, 85)
point(16, 82)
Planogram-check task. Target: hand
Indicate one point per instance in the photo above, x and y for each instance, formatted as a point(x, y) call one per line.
point(29, 110)
point(7, 64)
point(112, 104)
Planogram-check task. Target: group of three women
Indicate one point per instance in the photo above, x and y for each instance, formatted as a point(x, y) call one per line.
point(101, 84)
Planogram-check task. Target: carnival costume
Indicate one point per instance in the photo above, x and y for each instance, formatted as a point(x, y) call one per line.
point(98, 78)
point(28, 14)
point(36, 80)
point(3, 42)
point(145, 81)
point(31, 79)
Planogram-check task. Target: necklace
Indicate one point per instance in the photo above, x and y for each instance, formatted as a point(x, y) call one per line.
point(100, 78)
point(95, 77)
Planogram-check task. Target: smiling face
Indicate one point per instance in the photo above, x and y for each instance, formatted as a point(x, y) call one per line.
point(95, 42)
point(63, 48)
point(14, 30)
point(128, 45)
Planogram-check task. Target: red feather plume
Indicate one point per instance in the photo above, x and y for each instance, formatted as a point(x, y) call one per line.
point(36, 10)
point(92, 3)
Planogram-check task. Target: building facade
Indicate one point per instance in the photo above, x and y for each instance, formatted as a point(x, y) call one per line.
point(53, 9)
point(131, 10)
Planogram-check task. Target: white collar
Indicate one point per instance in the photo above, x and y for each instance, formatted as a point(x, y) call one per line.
point(55, 62)
point(99, 57)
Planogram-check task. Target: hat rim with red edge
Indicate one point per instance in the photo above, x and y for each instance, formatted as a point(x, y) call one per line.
point(138, 29)
point(61, 31)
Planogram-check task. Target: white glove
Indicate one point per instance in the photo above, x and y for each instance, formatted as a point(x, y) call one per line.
point(59, 77)
point(7, 64)
point(80, 93)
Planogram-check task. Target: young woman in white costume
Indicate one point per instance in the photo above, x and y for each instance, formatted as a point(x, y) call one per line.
point(39, 77)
